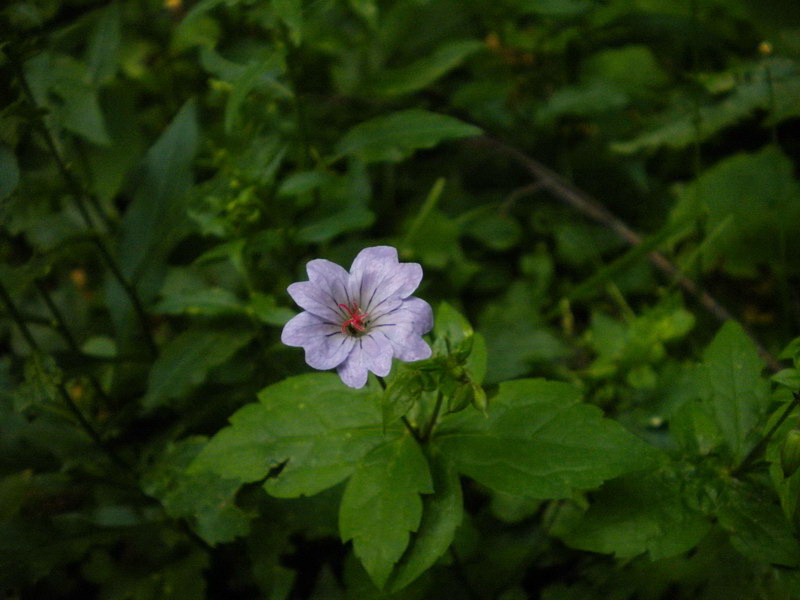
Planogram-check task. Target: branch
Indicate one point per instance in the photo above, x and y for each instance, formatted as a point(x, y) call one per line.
point(594, 209)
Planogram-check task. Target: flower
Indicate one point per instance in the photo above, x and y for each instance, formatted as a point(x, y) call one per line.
point(358, 321)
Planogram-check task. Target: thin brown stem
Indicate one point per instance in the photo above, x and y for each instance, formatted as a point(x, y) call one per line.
point(594, 209)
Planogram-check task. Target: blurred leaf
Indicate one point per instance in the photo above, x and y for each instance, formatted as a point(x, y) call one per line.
point(759, 193)
point(42, 378)
point(423, 72)
point(266, 309)
point(185, 361)
point(9, 171)
point(204, 497)
point(540, 441)
point(397, 136)
point(314, 425)
point(156, 218)
point(102, 56)
point(381, 504)
point(291, 13)
point(757, 526)
point(208, 301)
point(643, 512)
point(734, 389)
point(59, 83)
point(442, 512)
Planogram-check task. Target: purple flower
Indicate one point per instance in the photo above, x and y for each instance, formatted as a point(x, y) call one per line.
point(358, 321)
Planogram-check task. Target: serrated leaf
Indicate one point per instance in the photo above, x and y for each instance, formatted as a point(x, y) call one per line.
point(642, 512)
point(540, 441)
point(733, 387)
point(381, 505)
point(442, 513)
point(186, 360)
point(424, 71)
point(313, 425)
point(397, 136)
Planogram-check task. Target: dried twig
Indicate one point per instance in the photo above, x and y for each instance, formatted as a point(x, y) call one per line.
point(594, 209)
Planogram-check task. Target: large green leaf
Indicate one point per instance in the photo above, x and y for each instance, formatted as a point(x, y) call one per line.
point(397, 136)
point(313, 425)
point(733, 387)
point(637, 513)
point(540, 441)
point(186, 360)
point(381, 505)
point(442, 513)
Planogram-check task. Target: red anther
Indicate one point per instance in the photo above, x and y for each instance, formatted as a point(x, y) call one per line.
point(355, 318)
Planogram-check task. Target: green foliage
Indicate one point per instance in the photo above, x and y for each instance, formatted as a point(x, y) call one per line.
point(606, 413)
point(540, 441)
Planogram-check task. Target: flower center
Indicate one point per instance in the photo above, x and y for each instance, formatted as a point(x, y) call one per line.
point(355, 322)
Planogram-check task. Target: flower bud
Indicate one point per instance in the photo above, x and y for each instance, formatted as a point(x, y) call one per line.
point(790, 453)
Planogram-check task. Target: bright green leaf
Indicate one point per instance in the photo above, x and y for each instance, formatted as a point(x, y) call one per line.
point(733, 387)
point(540, 441)
point(313, 425)
point(381, 505)
point(442, 512)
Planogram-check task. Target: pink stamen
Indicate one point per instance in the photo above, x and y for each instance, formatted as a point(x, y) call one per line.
point(355, 318)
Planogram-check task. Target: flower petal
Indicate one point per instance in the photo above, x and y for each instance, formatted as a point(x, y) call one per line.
point(378, 280)
point(377, 353)
point(404, 326)
point(352, 371)
point(324, 344)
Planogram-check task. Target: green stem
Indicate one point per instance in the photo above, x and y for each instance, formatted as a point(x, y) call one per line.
point(61, 325)
point(434, 417)
point(411, 429)
point(81, 196)
point(758, 448)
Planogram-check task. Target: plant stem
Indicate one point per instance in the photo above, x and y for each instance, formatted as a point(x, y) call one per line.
point(81, 196)
point(411, 429)
point(68, 401)
point(759, 448)
point(434, 417)
point(61, 325)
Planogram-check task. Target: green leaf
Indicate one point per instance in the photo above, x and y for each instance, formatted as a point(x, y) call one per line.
point(291, 13)
point(156, 218)
point(266, 309)
point(186, 360)
point(382, 505)
point(9, 171)
point(749, 203)
point(206, 301)
point(442, 513)
point(733, 386)
point(103, 49)
point(451, 324)
point(758, 527)
point(540, 441)
point(637, 513)
point(424, 71)
point(397, 136)
point(313, 425)
point(205, 498)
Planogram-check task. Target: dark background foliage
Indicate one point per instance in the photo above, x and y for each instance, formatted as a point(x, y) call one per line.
point(166, 170)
